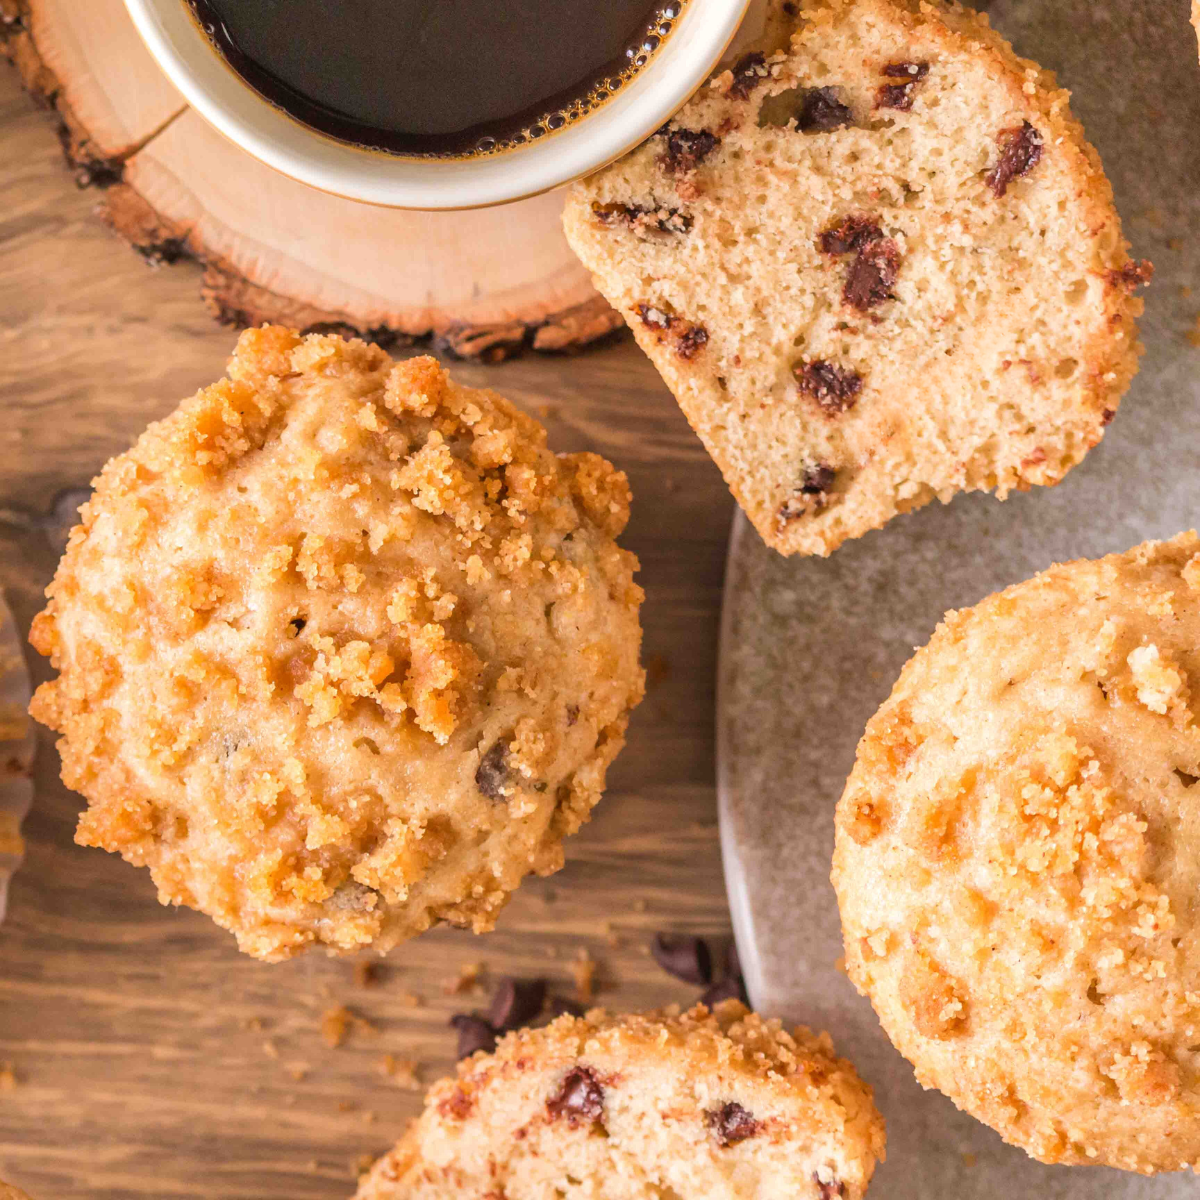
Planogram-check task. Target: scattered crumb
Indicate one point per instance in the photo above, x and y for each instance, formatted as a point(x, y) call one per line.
point(254, 1024)
point(298, 1071)
point(270, 1049)
point(403, 1072)
point(410, 999)
point(968, 1159)
point(583, 969)
point(335, 1025)
point(366, 974)
point(369, 1116)
point(1193, 336)
point(346, 1106)
point(467, 981)
point(8, 1078)
point(362, 1164)
point(611, 936)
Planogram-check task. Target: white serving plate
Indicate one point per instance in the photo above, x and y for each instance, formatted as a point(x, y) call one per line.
point(811, 647)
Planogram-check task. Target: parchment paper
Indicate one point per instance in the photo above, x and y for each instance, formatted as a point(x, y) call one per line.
point(811, 647)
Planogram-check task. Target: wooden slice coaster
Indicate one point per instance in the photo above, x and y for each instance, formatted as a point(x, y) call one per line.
point(484, 283)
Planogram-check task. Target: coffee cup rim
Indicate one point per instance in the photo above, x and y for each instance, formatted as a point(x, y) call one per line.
point(228, 103)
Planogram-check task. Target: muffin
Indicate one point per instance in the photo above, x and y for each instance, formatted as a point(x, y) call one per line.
point(343, 650)
point(881, 267)
point(642, 1107)
point(1018, 857)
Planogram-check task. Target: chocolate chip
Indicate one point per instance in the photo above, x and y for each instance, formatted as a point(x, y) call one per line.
point(732, 987)
point(790, 8)
point(1132, 275)
point(655, 318)
point(833, 1190)
point(664, 220)
point(822, 112)
point(1020, 151)
point(684, 956)
point(572, 714)
point(1107, 415)
point(687, 338)
point(834, 388)
point(895, 95)
point(580, 1097)
point(912, 71)
point(872, 274)
point(811, 494)
point(850, 233)
point(748, 72)
point(687, 149)
point(731, 1123)
point(296, 625)
point(690, 340)
point(493, 776)
point(474, 1033)
point(516, 1002)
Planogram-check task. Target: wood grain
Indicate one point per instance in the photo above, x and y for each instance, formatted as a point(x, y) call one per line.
point(152, 1059)
point(488, 282)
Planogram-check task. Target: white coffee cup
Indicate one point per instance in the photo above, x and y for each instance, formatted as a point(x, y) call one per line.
point(700, 37)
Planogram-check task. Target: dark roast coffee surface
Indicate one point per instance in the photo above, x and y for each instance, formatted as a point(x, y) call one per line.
point(436, 77)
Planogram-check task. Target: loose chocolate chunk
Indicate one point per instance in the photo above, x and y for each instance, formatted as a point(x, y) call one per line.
point(474, 1033)
point(748, 72)
point(493, 777)
point(690, 340)
point(811, 495)
point(687, 149)
point(1133, 275)
point(732, 987)
point(822, 112)
point(516, 1002)
point(850, 233)
point(872, 274)
point(731, 1123)
point(834, 1189)
point(666, 220)
point(1020, 151)
point(733, 964)
point(580, 1098)
point(684, 956)
point(834, 388)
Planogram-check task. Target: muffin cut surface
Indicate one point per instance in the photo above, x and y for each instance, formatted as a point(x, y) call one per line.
point(343, 649)
point(882, 267)
point(653, 1106)
point(1018, 860)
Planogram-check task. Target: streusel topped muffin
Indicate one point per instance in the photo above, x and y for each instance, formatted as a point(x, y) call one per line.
point(343, 649)
point(1018, 861)
point(641, 1107)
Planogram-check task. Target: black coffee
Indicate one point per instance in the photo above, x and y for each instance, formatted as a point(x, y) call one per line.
point(437, 77)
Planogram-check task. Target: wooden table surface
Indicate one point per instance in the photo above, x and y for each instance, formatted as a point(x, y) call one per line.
point(150, 1058)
